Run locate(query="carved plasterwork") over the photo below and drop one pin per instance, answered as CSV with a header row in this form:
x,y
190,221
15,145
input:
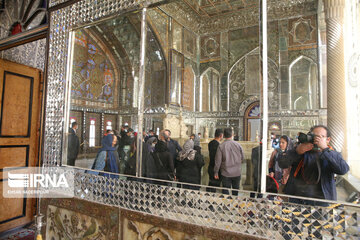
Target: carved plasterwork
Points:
x,y
210,46
189,43
236,80
292,125
75,219
241,18
244,105
175,124
183,15
183,127
133,227
354,70
252,76
206,125
157,233
310,53
288,113
302,31
273,84
188,88
244,82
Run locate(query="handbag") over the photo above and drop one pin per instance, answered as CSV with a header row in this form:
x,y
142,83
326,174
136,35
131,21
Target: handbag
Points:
x,y
171,177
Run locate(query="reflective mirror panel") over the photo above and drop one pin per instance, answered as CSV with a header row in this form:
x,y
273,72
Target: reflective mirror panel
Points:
x,y
202,75
207,59
305,91
199,77
104,87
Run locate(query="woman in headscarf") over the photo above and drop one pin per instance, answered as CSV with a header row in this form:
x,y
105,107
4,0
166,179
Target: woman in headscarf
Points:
x,y
189,164
106,159
150,143
281,175
164,163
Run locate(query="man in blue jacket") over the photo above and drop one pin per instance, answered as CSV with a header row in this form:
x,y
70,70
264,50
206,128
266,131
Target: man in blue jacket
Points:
x,y
313,167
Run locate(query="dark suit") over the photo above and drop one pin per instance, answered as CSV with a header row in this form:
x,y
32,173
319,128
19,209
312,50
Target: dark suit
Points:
x,y
73,147
213,146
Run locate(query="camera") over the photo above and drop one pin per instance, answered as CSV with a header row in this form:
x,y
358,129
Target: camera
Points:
x,y
306,138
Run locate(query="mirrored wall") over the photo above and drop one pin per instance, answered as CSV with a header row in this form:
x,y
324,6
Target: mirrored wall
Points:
x,y
307,143
202,72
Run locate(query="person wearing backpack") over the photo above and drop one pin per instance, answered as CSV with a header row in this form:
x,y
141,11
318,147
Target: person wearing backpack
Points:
x,y
313,165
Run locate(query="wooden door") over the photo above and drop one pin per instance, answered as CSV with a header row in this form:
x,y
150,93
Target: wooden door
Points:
x,y
19,134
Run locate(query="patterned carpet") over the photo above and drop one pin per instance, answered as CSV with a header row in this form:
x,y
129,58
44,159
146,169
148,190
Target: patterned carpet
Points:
x,y
21,234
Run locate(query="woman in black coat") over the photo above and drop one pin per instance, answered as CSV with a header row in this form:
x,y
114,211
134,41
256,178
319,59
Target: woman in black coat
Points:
x,y
163,161
189,164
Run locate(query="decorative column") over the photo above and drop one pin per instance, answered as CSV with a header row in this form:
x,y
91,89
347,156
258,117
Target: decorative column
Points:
x,y
336,104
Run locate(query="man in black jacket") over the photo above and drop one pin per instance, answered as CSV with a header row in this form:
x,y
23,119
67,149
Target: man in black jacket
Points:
x,y
163,159
213,146
172,145
73,144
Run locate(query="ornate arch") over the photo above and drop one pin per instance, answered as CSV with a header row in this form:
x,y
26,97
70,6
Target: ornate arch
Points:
x,y
241,81
156,230
95,75
213,86
251,112
188,89
303,85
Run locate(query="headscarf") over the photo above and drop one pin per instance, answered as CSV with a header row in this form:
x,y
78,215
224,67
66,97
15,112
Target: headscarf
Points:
x,y
149,143
188,151
290,143
151,140
106,143
107,146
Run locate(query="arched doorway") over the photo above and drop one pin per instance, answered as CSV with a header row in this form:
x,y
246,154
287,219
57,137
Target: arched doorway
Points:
x,y
252,121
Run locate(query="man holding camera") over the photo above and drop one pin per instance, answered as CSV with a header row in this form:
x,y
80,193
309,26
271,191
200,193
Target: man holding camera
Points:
x,y
314,164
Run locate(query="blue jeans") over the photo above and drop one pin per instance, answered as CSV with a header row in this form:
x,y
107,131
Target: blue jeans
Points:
x,y
231,182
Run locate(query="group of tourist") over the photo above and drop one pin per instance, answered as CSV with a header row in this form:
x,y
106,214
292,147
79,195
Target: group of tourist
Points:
x,y
298,168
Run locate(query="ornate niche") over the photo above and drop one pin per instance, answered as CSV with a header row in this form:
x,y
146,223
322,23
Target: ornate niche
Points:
x,y
156,70
303,90
210,91
188,95
176,77
210,47
244,80
302,31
